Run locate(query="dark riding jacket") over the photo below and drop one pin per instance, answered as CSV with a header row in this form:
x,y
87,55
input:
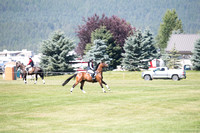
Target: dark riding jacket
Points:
x,y
90,66
31,63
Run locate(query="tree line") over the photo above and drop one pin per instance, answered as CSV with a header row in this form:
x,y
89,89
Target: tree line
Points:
x,y
101,39
24,24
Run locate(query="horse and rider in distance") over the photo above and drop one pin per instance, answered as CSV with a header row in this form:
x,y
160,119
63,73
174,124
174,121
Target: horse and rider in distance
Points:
x,y
92,75
30,69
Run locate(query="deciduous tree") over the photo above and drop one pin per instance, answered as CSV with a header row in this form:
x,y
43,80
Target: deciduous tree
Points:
x,y
170,23
119,28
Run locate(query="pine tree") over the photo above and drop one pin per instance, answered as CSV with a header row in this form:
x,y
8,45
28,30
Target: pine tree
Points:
x,y
170,23
139,50
149,51
173,61
196,56
98,52
115,55
114,51
102,34
55,53
132,56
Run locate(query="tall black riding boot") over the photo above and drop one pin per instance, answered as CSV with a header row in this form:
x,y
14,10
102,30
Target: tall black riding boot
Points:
x,y
93,78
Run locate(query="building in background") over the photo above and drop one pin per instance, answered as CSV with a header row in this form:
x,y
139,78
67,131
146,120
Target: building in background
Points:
x,y
184,44
13,56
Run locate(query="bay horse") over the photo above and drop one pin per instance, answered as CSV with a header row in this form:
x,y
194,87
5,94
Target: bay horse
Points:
x,y
84,76
35,70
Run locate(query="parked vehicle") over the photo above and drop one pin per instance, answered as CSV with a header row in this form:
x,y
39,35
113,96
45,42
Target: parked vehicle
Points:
x,y
164,73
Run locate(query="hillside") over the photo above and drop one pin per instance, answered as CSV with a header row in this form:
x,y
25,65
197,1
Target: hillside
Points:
x,y
25,23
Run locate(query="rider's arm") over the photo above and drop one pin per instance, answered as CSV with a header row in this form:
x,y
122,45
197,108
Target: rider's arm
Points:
x,y
90,65
29,62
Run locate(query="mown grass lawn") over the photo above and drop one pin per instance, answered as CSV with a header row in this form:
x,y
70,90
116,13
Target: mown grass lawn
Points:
x,y
132,105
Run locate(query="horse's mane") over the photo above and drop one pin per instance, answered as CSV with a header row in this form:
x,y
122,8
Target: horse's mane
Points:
x,y
97,66
20,63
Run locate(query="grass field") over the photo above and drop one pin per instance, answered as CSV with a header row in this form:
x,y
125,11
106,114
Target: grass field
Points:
x,y
132,106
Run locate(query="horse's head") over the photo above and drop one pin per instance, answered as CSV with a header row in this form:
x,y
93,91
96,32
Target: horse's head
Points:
x,y
104,64
101,66
19,64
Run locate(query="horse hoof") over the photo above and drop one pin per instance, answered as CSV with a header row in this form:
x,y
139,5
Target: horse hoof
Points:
x,y
104,92
71,92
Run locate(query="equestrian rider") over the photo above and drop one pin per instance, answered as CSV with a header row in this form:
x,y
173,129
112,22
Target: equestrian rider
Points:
x,y
90,68
30,63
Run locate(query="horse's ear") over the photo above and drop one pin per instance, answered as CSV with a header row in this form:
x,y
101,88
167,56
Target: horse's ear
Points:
x,y
102,61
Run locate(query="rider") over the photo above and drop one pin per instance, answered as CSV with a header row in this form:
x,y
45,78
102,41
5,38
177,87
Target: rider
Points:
x,y
30,63
90,68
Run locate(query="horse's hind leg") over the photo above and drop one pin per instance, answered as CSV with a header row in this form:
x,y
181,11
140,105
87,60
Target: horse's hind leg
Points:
x,y
42,76
36,78
82,84
74,86
106,85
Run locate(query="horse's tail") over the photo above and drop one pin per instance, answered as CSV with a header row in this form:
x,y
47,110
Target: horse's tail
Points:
x,y
66,81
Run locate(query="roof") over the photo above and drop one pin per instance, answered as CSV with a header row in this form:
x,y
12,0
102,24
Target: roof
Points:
x,y
184,43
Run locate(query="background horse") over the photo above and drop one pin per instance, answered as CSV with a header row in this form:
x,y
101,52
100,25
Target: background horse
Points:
x,y
35,70
83,76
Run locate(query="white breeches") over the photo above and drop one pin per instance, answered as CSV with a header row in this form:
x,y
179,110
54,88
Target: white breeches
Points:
x,y
28,66
90,71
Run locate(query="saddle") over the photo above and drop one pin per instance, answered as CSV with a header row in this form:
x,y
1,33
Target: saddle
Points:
x,y
31,70
93,75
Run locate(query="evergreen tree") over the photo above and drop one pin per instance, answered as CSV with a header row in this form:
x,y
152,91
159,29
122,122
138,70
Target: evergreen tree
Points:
x,y
98,52
170,23
114,51
173,60
149,51
115,55
196,56
165,57
132,55
102,34
55,53
139,50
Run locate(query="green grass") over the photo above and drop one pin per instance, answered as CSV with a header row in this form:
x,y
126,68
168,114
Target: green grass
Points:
x,y
133,105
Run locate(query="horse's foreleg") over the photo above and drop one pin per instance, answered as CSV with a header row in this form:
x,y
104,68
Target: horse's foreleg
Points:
x,y
82,84
106,85
24,78
100,82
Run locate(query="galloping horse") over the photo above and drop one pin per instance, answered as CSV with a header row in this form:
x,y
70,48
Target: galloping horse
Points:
x,y
35,70
83,76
